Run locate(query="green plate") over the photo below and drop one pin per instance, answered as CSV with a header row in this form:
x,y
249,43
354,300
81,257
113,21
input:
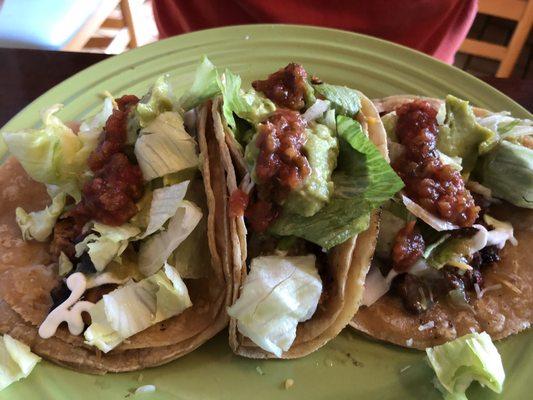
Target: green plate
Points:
x,y
349,367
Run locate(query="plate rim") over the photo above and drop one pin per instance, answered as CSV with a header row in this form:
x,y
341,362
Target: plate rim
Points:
x,y
103,64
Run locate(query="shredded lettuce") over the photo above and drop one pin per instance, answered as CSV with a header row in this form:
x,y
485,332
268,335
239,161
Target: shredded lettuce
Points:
x,y
502,232
469,358
107,244
158,100
136,306
204,86
192,258
461,135
156,250
164,147
278,293
93,126
508,172
507,127
38,225
250,105
16,361
165,202
363,181
344,100
53,154
435,222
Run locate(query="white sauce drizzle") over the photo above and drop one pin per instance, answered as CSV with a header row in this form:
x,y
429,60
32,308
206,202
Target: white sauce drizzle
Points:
x,y
69,311
429,325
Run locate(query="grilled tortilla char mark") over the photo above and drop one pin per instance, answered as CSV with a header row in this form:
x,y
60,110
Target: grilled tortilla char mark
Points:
x,y
110,196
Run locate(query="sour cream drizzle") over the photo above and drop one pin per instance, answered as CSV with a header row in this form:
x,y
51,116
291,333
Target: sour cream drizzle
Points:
x,y
69,311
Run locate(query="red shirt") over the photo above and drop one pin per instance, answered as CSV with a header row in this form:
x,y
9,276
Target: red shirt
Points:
x,y
436,27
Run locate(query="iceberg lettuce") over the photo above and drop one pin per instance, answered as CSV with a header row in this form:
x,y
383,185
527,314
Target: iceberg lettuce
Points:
x,y
164,204
16,361
278,293
134,307
158,100
469,358
53,154
250,105
508,172
156,250
38,225
108,244
204,86
164,147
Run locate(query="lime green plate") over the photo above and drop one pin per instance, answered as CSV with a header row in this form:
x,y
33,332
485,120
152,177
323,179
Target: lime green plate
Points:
x,y
349,367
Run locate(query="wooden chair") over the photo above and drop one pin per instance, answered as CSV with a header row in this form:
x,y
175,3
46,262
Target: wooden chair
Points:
x,y
111,27
520,11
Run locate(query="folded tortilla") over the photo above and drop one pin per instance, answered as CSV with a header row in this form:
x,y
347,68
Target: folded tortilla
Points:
x,y
500,313
27,276
348,263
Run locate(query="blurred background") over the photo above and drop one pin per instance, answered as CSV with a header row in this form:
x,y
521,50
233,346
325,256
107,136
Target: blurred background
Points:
x,y
485,37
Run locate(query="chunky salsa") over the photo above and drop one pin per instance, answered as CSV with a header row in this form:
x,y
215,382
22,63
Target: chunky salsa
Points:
x,y
281,165
110,195
440,190
436,187
286,87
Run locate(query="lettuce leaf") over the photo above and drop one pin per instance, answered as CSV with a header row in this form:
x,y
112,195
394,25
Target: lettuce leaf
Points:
x,y
344,100
16,361
156,250
38,225
164,204
53,154
508,172
107,244
469,358
278,293
363,181
461,135
192,258
136,306
164,147
204,86
158,100
250,105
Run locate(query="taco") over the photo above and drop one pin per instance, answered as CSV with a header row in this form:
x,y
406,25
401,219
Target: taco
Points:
x,y
307,170
452,255
114,240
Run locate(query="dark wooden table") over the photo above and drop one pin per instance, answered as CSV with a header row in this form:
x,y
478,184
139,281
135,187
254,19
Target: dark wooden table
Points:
x,y
26,74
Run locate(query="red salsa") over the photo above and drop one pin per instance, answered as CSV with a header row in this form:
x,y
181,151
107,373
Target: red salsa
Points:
x,y
281,165
408,247
238,201
436,187
286,87
110,195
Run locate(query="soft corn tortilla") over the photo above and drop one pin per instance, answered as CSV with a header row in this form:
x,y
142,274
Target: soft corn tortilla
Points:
x,y
27,275
500,312
348,262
